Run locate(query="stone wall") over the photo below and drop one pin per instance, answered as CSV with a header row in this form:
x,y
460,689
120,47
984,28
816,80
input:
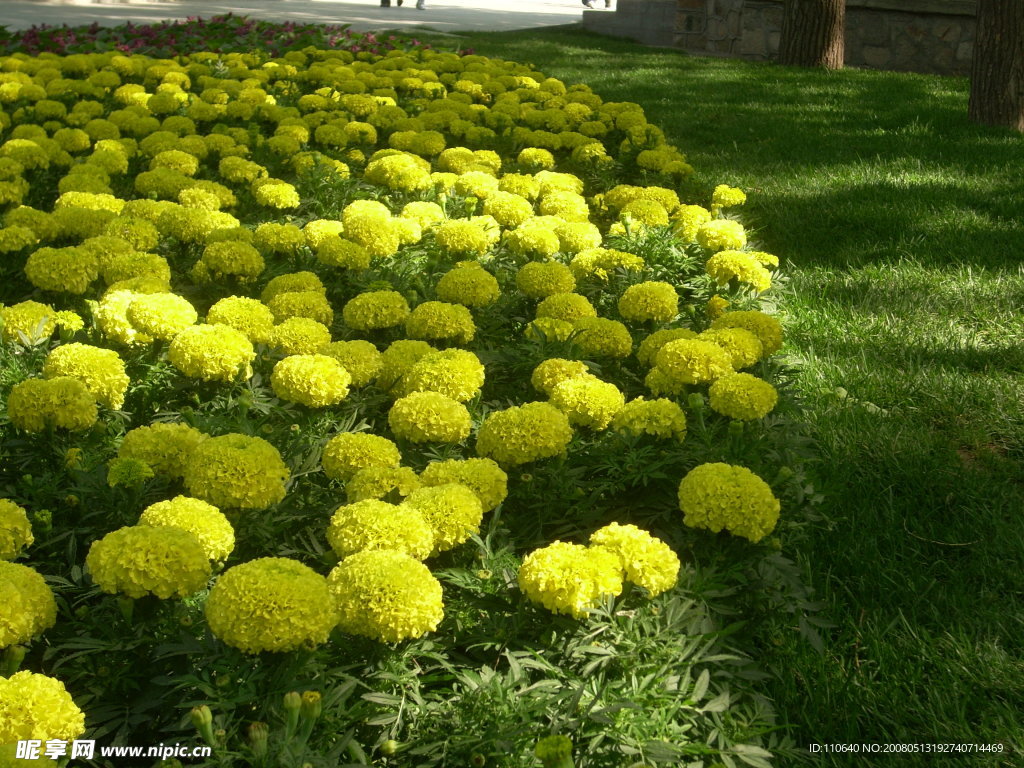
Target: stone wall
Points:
x,y
932,36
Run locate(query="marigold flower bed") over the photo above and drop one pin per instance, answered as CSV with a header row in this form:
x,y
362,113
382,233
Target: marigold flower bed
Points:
x,y
310,356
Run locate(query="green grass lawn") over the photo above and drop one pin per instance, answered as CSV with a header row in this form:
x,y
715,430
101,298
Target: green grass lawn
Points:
x,y
901,226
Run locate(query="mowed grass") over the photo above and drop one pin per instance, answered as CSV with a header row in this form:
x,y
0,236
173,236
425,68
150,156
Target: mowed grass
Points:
x,y
901,226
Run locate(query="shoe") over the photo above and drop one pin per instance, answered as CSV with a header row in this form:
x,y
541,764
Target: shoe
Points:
x,y
399,3
607,3
588,3
385,3
419,5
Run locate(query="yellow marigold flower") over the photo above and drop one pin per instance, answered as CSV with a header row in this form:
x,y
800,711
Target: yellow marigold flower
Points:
x,y
399,172
483,476
533,159
587,401
319,231
339,252
569,307
599,262
34,706
293,282
721,235
646,560
374,310
661,418
275,193
650,213
372,524
141,560
204,521
716,306
360,358
570,578
15,532
386,595
566,205
721,496
648,350
161,315
452,511
101,370
524,185
765,327
61,402
398,358
212,353
743,347
425,213
271,604
232,259
300,336
65,270
27,608
508,209
725,196
693,361
441,321
576,236
741,266
316,381
347,453
742,396
601,337
284,239
381,482
532,241
236,471
540,279
164,447
129,473
461,237
429,417
653,301
15,238
118,267
478,184
525,433
250,317
549,329
311,304
454,373
470,285
687,221
550,373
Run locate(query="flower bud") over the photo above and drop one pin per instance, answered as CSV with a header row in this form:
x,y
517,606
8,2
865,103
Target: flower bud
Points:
x,y
311,705
202,719
389,748
258,733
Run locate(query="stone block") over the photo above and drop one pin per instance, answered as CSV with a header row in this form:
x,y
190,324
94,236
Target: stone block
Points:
x,y
754,44
875,56
965,51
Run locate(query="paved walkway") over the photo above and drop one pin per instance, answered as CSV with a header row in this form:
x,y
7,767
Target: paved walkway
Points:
x,y
439,15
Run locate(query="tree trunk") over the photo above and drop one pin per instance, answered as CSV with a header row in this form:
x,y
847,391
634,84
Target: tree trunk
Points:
x,y
812,33
997,71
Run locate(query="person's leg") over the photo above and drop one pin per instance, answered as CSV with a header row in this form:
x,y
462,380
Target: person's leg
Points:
x,y
419,5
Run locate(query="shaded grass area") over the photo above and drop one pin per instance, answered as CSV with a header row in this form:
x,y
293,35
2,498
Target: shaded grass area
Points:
x,y
902,227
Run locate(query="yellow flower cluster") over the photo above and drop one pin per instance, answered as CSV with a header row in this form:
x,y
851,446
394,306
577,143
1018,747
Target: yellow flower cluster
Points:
x,y
212,353
316,381
271,604
349,452
15,530
386,595
101,371
524,433
236,472
646,561
373,524
570,578
204,521
587,401
452,511
27,608
742,396
61,402
661,418
139,560
34,706
429,417
721,496
482,476
164,447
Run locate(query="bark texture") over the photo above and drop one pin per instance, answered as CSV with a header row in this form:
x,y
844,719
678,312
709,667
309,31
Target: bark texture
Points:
x,y
812,33
997,70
